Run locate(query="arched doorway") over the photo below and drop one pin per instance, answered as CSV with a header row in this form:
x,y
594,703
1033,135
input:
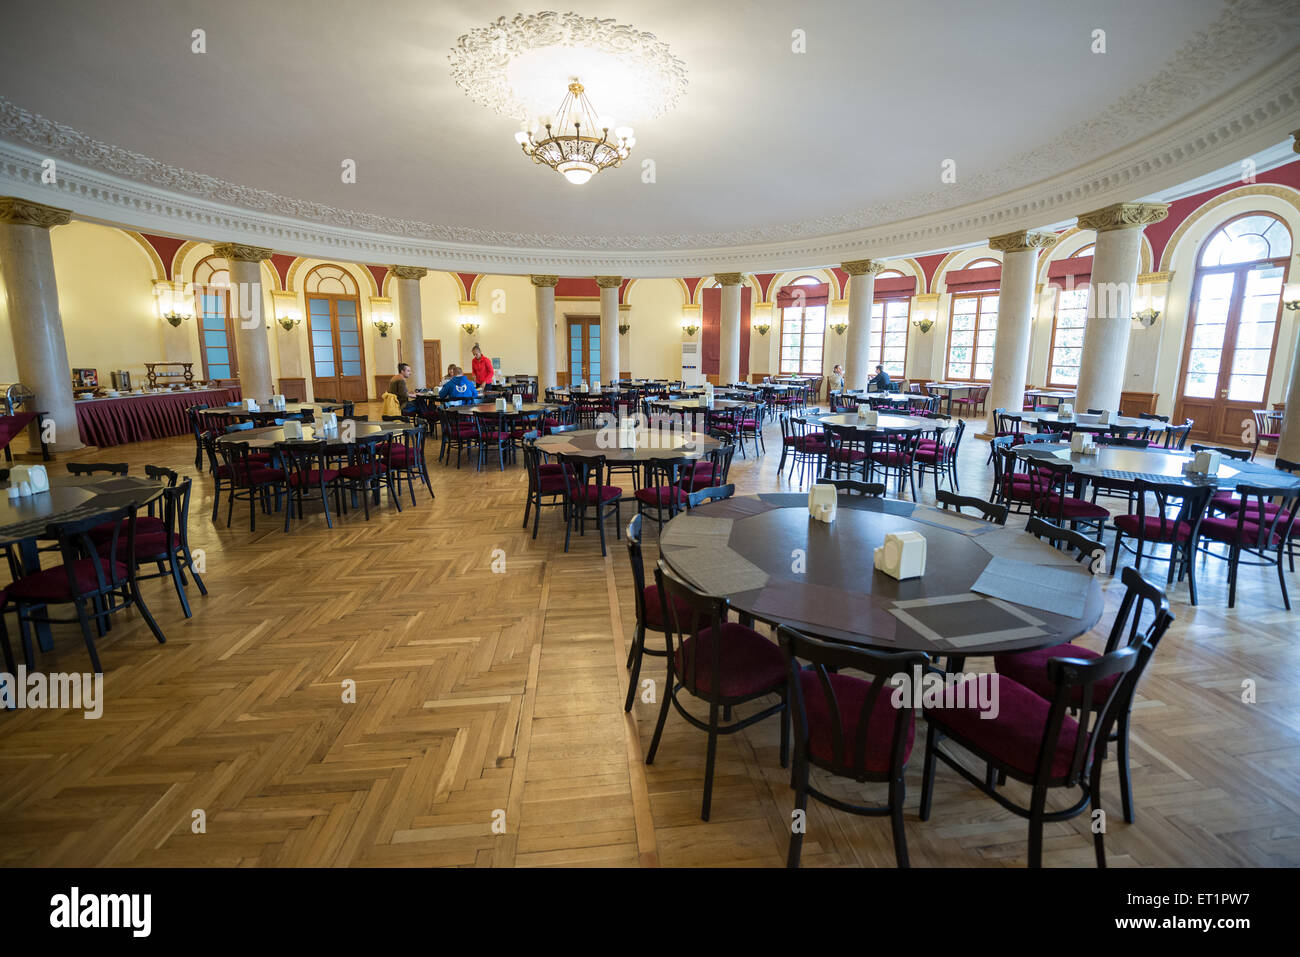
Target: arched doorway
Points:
x,y
1233,326
216,325
338,359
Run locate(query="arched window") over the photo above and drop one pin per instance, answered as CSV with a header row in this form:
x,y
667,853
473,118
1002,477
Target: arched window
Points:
x,y
334,328
984,263
803,326
1085,251
1233,327
972,328
216,326
889,315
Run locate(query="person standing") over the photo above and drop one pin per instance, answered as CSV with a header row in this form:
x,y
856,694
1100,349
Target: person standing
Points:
x,y
482,366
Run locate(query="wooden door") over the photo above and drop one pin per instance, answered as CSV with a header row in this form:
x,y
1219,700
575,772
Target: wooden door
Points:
x,y
337,351
584,349
1228,353
432,362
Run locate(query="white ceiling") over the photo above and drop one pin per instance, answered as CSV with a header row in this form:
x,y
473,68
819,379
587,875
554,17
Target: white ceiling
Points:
x,y
765,145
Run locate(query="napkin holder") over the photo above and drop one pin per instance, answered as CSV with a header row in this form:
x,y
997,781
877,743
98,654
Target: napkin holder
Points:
x,y
1205,463
867,415
37,479
822,502
627,434
279,402
1082,443
330,421
250,405
292,429
517,401
902,556
499,405
1065,411
1112,418
582,387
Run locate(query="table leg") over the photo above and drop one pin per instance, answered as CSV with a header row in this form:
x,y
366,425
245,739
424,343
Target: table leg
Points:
x,y
31,559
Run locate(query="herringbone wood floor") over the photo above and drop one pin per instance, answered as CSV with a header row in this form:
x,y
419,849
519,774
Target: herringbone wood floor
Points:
x,y
486,697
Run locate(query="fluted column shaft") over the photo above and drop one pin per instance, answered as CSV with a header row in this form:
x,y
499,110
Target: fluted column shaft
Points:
x,y
252,347
609,326
729,328
1110,300
1015,318
410,320
35,323
544,295
862,293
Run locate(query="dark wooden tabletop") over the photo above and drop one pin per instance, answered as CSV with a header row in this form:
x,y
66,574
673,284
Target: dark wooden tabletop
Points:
x,y
777,564
1091,423
488,408
651,444
266,437
1158,465
884,422
71,498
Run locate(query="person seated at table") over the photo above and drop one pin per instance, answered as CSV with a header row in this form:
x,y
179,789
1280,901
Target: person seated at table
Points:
x,y
482,366
837,379
397,386
458,386
880,382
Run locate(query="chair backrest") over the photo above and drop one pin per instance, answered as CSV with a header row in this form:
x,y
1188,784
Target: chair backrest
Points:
x,y
720,458
1268,421
1048,437
666,471
1176,435
1087,550
1007,423
1241,455
1284,465
1269,530
301,457
101,539
1122,441
710,494
176,511
1094,705
1190,502
160,474
91,468
687,612
1153,417
813,688
989,512
581,470
634,557
855,487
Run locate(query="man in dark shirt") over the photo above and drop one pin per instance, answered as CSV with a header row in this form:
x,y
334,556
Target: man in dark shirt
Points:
x,y
880,381
398,387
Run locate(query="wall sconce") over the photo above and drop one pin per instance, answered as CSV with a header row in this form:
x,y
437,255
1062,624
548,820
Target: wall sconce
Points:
x,y
689,327
383,325
1146,318
470,327
287,323
171,304
1291,297
623,328
176,318
925,325
763,328
839,327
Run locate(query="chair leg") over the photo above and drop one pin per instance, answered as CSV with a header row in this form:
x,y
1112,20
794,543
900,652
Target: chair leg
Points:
x,y
84,619
897,792
1122,759
710,761
927,774
634,658
180,588
663,717
785,728
1037,806
800,804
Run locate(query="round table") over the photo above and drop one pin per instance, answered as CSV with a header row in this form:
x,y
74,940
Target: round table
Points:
x,y
884,423
1090,423
489,408
651,444
775,563
269,436
1115,463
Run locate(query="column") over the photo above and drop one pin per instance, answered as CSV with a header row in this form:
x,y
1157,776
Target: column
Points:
x,y
729,328
1110,299
544,296
1288,444
252,348
609,326
1015,319
27,268
862,292
410,321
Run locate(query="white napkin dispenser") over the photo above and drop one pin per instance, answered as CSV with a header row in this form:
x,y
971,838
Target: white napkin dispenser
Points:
x,y
822,502
582,387
330,421
902,556
499,405
1205,463
627,434
867,415
1112,418
1081,442
1065,411
517,401
293,429
37,479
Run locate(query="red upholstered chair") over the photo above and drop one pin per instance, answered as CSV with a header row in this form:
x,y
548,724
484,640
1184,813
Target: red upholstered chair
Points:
x,y
1033,739
368,466
458,432
545,484
710,471
806,446
305,472
1051,500
247,478
847,451
663,492
1268,428
649,611
1011,486
720,662
1142,600
849,726
896,454
587,489
95,584
493,434
1261,525
407,461
1174,521
937,453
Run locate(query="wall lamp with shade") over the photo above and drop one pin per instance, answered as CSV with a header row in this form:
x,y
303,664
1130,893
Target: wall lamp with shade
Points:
x,y
690,327
172,304
925,325
840,327
470,327
383,325
762,328
1149,298
1291,296
623,328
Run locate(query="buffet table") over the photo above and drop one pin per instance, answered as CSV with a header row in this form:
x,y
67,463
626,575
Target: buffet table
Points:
x,y
135,418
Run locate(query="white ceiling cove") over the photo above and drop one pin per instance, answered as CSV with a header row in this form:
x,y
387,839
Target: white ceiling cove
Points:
x,y
770,158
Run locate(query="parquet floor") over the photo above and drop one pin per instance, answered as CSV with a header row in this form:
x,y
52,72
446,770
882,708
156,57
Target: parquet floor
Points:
x,y
488,730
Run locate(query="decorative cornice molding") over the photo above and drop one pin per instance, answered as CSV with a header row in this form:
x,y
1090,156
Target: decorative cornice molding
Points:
x,y
863,267
609,282
1147,278
409,272
24,212
551,281
240,252
1021,240
1123,216
729,278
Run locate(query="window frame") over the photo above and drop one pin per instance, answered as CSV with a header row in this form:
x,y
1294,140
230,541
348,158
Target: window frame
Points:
x,y
1053,383
979,312
879,340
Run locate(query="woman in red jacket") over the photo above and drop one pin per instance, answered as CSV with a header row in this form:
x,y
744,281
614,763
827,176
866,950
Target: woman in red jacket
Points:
x,y
482,367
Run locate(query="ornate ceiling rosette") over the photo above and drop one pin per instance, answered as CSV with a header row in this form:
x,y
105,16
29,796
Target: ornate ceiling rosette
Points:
x,y
521,65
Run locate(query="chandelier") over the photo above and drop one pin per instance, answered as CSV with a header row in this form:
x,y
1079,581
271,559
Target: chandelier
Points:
x,y
566,149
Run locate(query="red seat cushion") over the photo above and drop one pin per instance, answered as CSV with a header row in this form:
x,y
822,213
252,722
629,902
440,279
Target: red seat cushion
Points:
x,y
313,476
144,525
147,546
750,664
362,470
934,454
1225,530
52,583
1029,668
654,609
401,455
1014,737
1071,508
846,455
600,493
1149,528
661,496
892,457
850,695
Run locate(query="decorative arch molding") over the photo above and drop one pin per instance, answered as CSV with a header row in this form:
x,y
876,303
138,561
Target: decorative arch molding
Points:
x,y
362,276
961,259
155,261
178,260
785,278
1284,193
324,276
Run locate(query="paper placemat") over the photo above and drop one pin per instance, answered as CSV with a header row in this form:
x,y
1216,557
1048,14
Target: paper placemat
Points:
x,y
952,520
1046,587
725,572
698,530
1020,545
853,612
735,507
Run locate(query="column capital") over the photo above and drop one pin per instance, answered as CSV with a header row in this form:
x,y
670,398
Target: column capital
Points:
x,y
1020,241
1295,140
863,267
551,281
241,252
728,278
409,272
1123,216
609,282
23,212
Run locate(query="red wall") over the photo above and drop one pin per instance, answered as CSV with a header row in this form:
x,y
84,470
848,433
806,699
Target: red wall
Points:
x,y
711,338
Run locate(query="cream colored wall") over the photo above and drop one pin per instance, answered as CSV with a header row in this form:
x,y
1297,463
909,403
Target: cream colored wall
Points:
x,y
653,346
